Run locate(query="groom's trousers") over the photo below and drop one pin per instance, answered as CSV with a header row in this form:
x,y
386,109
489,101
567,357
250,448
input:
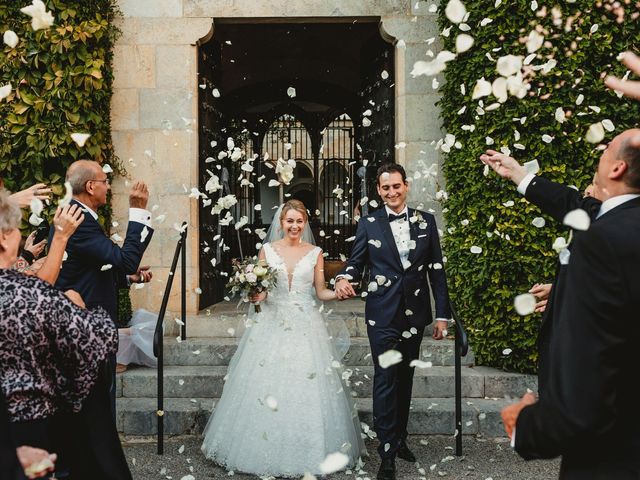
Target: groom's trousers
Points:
x,y
392,385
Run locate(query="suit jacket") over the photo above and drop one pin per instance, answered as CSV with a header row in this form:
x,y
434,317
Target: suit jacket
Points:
x,y
403,289
555,200
89,250
588,412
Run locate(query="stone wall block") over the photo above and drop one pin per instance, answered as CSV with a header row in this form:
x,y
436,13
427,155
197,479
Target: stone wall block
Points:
x,y
134,66
124,109
151,8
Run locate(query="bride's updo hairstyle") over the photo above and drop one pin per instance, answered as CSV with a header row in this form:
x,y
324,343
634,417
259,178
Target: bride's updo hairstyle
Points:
x,y
296,205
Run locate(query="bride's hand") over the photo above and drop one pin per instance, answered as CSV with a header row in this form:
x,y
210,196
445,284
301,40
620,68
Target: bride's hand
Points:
x,y
259,297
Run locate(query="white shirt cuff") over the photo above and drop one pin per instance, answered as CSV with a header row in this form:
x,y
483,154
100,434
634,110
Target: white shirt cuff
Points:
x,y
513,438
140,215
443,319
524,184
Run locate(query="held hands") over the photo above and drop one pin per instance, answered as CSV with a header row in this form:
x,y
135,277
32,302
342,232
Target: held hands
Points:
x,y
258,297
67,219
629,88
139,195
440,330
511,412
36,462
143,275
344,289
504,165
35,249
541,292
23,198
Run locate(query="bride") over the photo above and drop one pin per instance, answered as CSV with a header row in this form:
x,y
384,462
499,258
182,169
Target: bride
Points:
x,y
285,407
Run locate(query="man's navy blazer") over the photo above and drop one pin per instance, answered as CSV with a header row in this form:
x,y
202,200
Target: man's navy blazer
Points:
x,y
89,254
375,247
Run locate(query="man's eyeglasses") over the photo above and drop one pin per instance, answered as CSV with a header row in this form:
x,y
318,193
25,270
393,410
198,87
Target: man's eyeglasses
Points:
x,y
105,181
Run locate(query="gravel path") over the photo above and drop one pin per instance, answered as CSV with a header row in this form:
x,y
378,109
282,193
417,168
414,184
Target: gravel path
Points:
x,y
484,459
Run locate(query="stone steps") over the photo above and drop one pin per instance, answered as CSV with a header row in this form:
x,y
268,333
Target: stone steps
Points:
x,y
217,351
208,381
434,416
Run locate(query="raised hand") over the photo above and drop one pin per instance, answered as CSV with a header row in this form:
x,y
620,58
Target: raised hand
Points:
x,y
139,195
67,219
504,165
37,248
23,198
143,275
627,87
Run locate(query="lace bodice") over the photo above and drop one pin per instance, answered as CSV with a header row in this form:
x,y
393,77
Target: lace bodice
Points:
x,y
295,280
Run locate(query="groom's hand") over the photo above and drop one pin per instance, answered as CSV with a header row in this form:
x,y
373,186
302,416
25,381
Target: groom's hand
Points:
x,y
511,412
504,165
344,289
440,329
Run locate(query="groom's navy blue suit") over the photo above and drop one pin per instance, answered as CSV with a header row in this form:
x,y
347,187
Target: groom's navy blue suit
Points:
x,y
399,305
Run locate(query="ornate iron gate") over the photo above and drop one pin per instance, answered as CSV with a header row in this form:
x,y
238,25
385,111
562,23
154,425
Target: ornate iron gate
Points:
x,y
336,160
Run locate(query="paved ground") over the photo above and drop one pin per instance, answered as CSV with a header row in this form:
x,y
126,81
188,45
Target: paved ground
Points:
x,y
484,459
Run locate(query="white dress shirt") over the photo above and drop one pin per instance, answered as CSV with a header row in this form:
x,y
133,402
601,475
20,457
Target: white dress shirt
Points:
x,y
401,234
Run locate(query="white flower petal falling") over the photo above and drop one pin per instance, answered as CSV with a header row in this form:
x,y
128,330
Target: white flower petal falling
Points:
x,y
389,358
455,11
10,38
595,134
40,18
80,138
525,304
577,219
334,462
463,42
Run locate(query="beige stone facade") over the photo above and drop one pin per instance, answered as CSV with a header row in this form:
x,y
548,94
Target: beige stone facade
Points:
x,y
155,105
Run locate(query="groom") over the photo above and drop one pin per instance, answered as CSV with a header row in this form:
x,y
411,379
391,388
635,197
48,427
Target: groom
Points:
x,y
400,247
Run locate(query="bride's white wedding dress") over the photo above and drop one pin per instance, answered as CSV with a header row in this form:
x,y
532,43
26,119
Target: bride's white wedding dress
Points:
x,y
284,407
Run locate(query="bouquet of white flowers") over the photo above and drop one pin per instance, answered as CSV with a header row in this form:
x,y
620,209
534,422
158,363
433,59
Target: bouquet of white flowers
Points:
x,y
251,277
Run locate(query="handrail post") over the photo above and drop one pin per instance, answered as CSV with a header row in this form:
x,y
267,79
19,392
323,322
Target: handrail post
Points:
x,y
458,387
158,335
183,293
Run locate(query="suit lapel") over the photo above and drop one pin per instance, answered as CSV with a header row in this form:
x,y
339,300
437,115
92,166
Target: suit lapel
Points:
x,y
413,229
383,223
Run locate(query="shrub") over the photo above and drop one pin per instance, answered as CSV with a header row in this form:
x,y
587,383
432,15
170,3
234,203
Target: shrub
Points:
x,y
585,39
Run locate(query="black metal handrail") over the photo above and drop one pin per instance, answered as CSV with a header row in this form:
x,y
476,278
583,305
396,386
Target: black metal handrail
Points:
x,y
158,336
461,348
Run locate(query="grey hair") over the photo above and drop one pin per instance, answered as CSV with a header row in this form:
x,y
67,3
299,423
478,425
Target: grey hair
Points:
x,y
630,154
10,216
79,173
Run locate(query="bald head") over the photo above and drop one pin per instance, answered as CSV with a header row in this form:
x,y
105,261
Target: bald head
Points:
x,y
80,172
629,152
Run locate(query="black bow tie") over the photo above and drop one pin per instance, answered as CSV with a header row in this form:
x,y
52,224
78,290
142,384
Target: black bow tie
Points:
x,y
393,217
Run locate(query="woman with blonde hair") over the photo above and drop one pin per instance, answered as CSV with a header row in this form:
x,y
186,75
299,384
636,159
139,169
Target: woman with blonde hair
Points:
x,y
285,406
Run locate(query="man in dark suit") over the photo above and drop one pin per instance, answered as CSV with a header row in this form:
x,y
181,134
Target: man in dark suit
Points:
x,y
96,267
401,248
587,413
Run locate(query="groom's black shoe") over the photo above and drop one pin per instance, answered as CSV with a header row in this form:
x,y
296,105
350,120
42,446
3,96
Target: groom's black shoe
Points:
x,y
405,454
387,469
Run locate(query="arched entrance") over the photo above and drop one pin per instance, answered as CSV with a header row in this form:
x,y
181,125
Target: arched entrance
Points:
x,y
320,94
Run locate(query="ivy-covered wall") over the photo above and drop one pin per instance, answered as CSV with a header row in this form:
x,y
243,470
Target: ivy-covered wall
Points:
x,y
61,80
578,43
